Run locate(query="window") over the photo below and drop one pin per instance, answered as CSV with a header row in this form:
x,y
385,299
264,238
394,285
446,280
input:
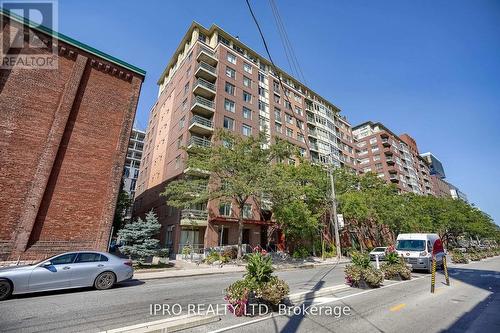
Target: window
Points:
x,y
228,123
247,211
376,157
247,82
231,58
178,162
364,161
373,140
288,105
276,99
225,209
247,68
247,113
181,122
247,130
276,86
277,114
229,88
179,142
88,257
64,259
300,124
300,137
298,111
262,78
229,105
289,132
288,118
278,127
184,104
247,97
186,88
230,72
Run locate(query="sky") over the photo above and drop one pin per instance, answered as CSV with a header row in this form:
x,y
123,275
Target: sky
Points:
x,y
429,68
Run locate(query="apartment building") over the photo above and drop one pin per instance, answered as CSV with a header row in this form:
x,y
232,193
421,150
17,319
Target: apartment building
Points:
x,y
215,81
441,187
394,158
133,161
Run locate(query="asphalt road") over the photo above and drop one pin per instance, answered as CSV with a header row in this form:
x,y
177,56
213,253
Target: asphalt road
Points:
x,y
87,310
470,304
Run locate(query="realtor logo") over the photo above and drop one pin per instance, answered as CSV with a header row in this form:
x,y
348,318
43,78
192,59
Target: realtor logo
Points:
x,y
27,38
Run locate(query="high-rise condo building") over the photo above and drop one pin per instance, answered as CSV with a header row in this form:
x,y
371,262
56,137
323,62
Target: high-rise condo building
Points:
x,y
215,81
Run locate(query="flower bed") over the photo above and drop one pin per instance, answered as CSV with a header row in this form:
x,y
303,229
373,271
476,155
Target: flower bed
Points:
x,y
361,273
394,268
258,286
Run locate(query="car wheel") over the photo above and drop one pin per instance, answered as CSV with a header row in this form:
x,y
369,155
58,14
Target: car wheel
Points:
x,y
5,289
105,280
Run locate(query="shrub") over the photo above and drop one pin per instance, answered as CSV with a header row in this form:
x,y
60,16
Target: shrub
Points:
x,y
186,250
360,259
396,271
212,257
356,275
273,291
474,256
353,275
237,296
458,257
230,252
373,277
259,268
300,253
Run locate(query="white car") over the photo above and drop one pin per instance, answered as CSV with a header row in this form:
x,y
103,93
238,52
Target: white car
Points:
x,y
380,251
67,270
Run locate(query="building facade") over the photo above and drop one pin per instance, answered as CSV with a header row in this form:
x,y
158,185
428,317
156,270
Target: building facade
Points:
x,y
63,137
392,157
214,81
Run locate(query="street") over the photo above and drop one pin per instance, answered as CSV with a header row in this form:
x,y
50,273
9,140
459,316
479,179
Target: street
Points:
x,y
129,303
470,303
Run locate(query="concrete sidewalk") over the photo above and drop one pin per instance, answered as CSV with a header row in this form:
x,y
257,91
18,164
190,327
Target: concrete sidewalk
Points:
x,y
144,274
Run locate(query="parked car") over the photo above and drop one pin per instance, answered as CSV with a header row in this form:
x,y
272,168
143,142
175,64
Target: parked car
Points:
x,y
380,251
67,270
418,249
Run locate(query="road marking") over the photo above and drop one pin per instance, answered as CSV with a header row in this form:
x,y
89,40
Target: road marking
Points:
x,y
397,307
273,315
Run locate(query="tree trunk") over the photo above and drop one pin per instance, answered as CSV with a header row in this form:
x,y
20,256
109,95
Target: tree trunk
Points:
x,y
240,232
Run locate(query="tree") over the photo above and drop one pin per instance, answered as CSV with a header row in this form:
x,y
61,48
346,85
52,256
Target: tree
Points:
x,y
123,202
139,237
239,169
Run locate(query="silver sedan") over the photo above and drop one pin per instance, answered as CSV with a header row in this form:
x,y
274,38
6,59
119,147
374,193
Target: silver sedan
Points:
x,y
67,270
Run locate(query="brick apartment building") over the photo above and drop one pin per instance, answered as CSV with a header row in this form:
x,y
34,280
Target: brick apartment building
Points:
x,y
214,81
63,139
394,158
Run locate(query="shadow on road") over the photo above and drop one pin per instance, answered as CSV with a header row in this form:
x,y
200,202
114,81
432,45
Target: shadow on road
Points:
x,y
124,284
484,316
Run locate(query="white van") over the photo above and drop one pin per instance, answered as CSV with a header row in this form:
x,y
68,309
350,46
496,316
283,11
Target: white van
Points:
x,y
417,250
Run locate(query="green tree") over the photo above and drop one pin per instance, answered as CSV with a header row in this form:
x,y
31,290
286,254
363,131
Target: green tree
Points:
x,y
239,169
123,202
139,237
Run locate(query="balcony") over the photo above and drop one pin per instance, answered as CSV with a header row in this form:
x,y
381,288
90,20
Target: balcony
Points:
x,y
205,71
313,146
311,120
203,106
390,160
201,125
393,177
194,217
312,133
204,88
196,141
206,55
386,142
196,172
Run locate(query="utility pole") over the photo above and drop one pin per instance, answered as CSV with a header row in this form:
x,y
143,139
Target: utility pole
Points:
x,y
334,218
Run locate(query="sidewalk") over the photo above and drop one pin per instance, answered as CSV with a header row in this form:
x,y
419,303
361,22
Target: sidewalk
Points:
x,y
145,274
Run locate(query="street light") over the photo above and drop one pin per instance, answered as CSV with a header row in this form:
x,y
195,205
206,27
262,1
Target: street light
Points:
x,y
333,213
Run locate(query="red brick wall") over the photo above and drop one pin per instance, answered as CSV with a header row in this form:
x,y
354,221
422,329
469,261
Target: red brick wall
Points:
x,y
63,140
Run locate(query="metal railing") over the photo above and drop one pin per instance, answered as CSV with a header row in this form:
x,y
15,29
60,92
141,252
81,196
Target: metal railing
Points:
x,y
206,84
207,67
203,101
207,50
199,142
201,121
194,214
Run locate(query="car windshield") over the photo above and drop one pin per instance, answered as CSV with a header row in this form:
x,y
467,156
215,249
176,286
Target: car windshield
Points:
x,y
410,245
379,249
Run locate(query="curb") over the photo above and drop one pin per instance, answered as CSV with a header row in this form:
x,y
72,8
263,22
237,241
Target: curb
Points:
x,y
311,294
173,324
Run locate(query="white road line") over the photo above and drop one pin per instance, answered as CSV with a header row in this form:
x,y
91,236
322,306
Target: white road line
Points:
x,y
273,315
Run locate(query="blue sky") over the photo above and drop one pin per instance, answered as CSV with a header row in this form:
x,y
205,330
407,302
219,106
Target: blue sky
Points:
x,y
428,68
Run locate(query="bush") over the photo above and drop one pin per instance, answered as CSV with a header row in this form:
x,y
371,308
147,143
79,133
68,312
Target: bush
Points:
x,y
237,295
474,256
259,268
300,253
356,276
458,257
186,250
231,252
396,271
273,291
360,259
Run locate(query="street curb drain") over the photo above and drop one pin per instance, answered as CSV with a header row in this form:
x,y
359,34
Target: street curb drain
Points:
x,y
173,324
